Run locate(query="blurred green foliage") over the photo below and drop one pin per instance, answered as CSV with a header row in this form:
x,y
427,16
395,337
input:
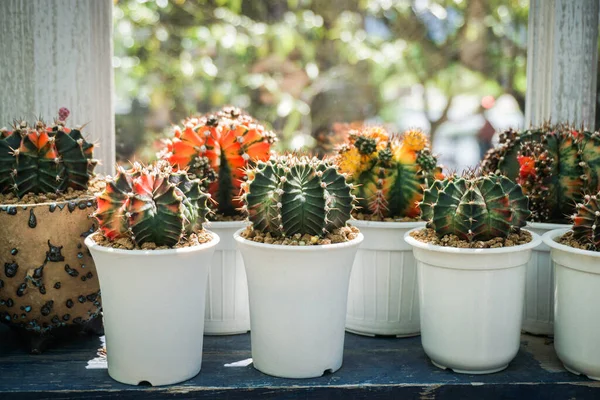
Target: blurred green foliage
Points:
x,y
300,65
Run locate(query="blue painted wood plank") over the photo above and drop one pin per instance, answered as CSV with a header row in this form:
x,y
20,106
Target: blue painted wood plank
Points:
x,y
374,368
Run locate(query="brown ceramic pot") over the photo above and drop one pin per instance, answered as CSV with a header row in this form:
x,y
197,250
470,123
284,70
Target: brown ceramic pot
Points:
x,y
48,279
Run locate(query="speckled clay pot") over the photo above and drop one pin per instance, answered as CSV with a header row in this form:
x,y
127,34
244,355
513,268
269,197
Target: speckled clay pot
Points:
x,y
47,276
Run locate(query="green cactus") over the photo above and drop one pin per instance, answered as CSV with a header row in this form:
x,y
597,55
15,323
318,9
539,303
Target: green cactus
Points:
x,y
153,204
287,195
44,159
554,164
474,208
586,222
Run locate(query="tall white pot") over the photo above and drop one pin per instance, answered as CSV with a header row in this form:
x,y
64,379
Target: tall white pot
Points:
x,y
538,310
298,297
227,311
471,304
152,302
577,306
383,296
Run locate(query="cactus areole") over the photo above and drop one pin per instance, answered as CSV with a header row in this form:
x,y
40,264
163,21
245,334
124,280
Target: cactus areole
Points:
x,y
42,158
555,165
287,195
475,208
217,148
151,204
586,222
389,173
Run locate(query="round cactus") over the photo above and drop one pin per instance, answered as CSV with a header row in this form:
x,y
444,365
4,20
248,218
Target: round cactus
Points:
x,y
44,159
217,148
287,195
153,204
554,164
389,172
475,208
586,222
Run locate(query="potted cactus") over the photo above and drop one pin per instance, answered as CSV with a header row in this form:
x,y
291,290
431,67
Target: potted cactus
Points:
x,y
48,283
576,255
298,254
218,148
471,263
388,174
153,257
554,164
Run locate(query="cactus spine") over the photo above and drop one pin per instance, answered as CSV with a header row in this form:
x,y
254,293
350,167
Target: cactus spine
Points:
x,y
475,208
153,204
554,164
217,149
586,222
287,195
44,159
389,172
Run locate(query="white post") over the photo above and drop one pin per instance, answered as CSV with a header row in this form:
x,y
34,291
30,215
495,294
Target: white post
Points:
x,y
562,61
58,53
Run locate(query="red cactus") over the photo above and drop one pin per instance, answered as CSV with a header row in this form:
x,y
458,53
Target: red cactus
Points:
x,y
218,148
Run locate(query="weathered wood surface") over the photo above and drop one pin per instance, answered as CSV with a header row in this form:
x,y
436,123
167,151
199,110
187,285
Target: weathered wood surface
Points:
x,y
58,53
562,61
374,368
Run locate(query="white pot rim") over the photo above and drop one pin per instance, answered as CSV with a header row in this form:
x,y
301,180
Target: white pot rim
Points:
x,y
536,240
549,239
91,243
298,249
359,223
546,225
226,224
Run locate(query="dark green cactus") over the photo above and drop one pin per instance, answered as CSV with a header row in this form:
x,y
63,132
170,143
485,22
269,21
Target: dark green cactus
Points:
x,y
586,222
288,195
44,159
554,164
153,204
474,208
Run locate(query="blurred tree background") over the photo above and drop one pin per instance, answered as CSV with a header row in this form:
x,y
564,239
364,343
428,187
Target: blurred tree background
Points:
x,y
303,65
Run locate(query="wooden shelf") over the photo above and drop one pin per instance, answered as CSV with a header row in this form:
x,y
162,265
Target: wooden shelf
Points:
x,y
374,368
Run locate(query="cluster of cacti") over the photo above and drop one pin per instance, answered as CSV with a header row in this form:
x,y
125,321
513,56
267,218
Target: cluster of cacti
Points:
x,y
44,158
586,222
475,208
287,195
389,172
217,148
554,164
151,204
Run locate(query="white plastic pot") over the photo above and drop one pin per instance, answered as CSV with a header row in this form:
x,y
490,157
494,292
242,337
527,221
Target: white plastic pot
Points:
x,y
153,302
227,311
298,297
471,304
577,306
383,296
538,310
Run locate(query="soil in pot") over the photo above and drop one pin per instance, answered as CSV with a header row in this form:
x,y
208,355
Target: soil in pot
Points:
x,y
48,282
